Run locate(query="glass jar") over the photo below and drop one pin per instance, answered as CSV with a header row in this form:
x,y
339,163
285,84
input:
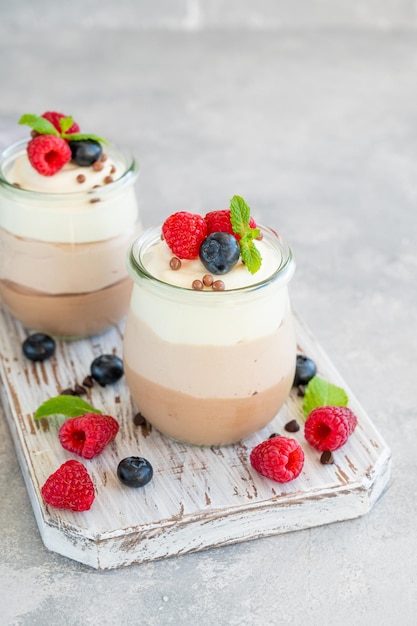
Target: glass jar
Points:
x,y
209,367
62,263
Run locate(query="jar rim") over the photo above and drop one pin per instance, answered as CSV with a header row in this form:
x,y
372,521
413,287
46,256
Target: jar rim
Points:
x,y
283,273
16,149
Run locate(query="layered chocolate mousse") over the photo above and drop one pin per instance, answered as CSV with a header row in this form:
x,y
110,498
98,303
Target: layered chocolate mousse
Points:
x,y
63,239
208,366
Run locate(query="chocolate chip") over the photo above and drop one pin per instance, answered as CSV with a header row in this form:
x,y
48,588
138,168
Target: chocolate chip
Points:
x,y
68,392
272,435
208,280
197,285
218,285
301,391
292,427
327,458
79,390
139,420
88,382
175,263
80,178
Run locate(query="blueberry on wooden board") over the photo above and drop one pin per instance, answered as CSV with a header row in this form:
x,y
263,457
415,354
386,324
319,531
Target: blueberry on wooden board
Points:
x,y
134,471
38,347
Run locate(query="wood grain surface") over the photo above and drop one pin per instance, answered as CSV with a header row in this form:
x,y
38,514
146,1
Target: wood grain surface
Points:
x,y
199,498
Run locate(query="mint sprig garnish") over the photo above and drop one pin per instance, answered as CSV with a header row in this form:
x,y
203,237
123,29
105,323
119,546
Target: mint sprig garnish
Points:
x,y
240,220
70,406
45,127
39,124
320,392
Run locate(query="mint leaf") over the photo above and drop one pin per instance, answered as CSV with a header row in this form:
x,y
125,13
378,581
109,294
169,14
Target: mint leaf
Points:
x,y
320,392
239,215
65,123
251,256
71,406
240,219
82,137
39,124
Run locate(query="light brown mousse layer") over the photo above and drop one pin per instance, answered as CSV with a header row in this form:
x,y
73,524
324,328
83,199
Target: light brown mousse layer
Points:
x,y
206,421
68,315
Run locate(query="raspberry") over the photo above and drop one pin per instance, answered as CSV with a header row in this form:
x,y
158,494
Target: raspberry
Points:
x,y
219,222
184,233
88,435
280,459
54,118
70,487
48,154
329,427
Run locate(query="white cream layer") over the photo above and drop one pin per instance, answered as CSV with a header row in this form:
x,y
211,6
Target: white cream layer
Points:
x,y
156,261
202,318
64,181
61,210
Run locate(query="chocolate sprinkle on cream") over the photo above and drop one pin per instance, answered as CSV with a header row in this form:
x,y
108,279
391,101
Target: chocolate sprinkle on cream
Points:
x,y
208,280
175,263
197,285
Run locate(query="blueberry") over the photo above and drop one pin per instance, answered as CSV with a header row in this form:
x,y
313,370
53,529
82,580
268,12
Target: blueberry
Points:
x,y
304,371
219,252
38,347
134,471
107,369
85,151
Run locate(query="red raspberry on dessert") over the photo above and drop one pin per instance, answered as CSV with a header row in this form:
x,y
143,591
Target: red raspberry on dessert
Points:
x,y
280,458
70,487
48,154
219,222
87,435
329,427
184,233
55,118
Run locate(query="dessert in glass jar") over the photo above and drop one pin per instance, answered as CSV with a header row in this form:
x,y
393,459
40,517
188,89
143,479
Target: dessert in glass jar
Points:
x,y
209,346
68,213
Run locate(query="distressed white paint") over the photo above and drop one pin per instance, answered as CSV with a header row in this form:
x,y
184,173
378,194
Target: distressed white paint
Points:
x,y
199,497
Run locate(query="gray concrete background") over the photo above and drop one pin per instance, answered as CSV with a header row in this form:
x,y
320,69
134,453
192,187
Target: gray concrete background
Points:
x,y
308,110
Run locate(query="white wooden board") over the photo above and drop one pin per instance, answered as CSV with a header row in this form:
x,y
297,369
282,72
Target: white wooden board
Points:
x,y
199,497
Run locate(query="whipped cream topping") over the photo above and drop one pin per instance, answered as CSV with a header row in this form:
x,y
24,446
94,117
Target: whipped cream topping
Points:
x,y
156,261
209,317
60,209
23,174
